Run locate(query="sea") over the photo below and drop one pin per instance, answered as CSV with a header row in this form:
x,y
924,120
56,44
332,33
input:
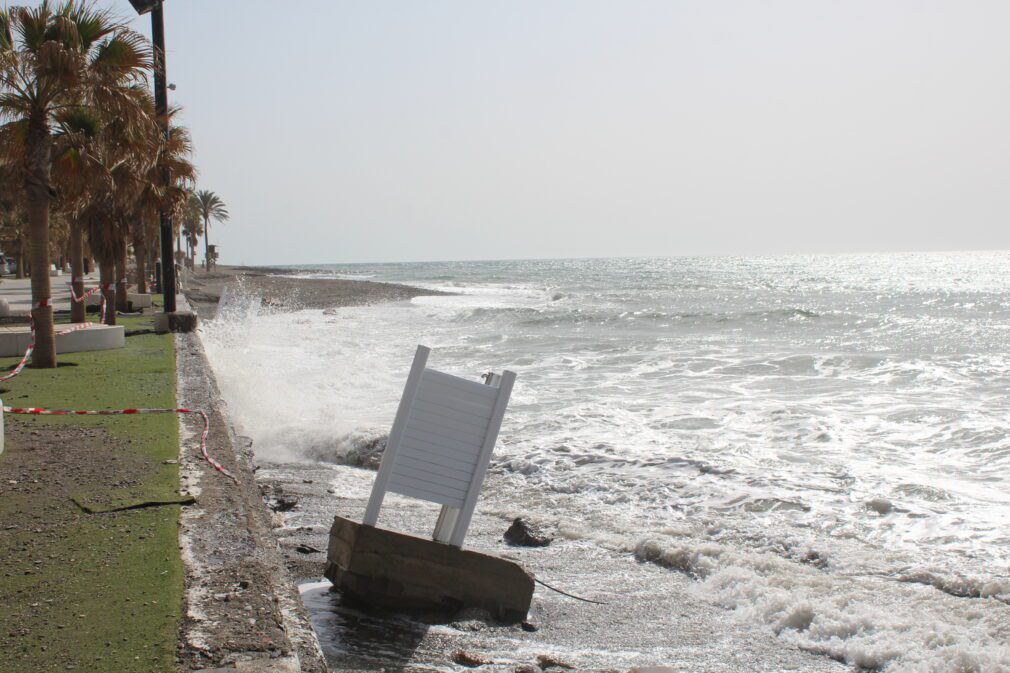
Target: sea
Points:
x,y
786,431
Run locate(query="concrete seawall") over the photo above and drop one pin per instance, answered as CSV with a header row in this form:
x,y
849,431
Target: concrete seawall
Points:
x,y
242,611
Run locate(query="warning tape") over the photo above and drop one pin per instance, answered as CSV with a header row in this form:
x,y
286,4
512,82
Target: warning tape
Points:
x,y
39,411
24,360
42,303
83,297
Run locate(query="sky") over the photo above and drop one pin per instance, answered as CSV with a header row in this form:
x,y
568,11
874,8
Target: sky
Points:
x,y
377,131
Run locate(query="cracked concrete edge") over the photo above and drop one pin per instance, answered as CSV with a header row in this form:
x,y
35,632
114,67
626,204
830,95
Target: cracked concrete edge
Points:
x,y
197,388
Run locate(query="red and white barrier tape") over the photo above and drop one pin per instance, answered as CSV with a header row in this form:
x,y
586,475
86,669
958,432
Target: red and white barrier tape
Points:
x,y
24,360
38,411
83,297
79,326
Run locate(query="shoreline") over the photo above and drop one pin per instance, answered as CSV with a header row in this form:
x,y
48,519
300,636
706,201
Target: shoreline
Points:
x,y
276,287
613,637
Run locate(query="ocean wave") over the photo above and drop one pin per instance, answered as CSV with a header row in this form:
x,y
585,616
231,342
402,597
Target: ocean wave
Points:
x,y
960,587
855,620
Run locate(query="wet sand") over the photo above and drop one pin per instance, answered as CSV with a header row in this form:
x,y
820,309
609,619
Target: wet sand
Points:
x,y
276,286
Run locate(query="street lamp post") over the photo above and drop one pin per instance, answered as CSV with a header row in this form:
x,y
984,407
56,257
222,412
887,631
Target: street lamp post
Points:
x,y
161,109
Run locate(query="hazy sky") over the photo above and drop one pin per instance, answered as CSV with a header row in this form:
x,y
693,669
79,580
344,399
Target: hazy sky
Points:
x,y
392,131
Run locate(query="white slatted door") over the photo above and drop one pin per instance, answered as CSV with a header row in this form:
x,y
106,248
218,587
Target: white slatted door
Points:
x,y
441,442
442,439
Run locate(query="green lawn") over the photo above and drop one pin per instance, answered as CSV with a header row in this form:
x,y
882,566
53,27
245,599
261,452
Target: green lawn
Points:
x,y
91,592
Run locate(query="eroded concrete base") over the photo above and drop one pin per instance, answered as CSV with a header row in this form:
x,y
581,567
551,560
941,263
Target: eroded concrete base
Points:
x,y
178,321
138,301
401,572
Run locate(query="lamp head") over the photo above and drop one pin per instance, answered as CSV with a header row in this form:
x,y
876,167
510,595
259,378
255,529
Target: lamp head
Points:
x,y
144,6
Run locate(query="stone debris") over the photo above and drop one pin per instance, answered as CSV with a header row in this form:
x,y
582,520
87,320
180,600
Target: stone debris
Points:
x,y
546,661
524,533
284,503
464,658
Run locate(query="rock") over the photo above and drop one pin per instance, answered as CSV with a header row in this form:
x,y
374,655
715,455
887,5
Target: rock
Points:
x,y
306,549
545,661
367,455
473,614
469,625
284,503
815,558
880,505
529,626
464,658
471,619
523,533
527,668
654,669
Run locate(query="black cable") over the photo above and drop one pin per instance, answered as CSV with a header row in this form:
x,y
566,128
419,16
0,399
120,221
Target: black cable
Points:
x,y
565,593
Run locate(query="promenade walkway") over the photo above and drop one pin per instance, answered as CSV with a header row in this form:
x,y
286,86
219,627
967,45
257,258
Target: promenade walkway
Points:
x,y
18,292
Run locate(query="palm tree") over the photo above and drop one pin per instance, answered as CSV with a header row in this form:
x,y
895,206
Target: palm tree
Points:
x,y
192,229
76,174
56,57
211,207
127,154
165,188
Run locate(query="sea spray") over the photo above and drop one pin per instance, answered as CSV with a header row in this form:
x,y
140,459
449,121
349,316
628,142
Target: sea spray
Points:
x,y
299,396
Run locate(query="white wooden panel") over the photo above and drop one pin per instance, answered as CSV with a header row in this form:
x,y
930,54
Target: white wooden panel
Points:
x,y
450,457
438,436
423,491
395,434
503,391
477,407
429,473
440,444
425,424
461,417
438,464
436,443
458,385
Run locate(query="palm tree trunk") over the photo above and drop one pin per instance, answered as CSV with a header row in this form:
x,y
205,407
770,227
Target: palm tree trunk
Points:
x,y
21,262
77,310
140,257
37,210
121,304
107,278
206,243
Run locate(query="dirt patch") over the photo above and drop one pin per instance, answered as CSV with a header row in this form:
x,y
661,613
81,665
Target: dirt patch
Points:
x,y
81,590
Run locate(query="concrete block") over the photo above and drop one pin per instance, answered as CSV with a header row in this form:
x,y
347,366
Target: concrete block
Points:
x,y
139,301
5,308
14,339
401,572
179,321
95,338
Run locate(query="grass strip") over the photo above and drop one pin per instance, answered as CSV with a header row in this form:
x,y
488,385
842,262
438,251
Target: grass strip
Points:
x,y
92,592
